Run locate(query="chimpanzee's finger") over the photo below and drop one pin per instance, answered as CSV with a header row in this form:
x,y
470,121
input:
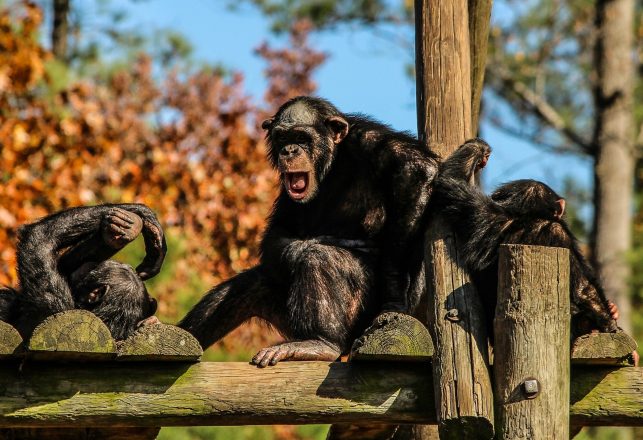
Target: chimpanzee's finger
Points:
x,y
111,219
124,215
115,229
155,250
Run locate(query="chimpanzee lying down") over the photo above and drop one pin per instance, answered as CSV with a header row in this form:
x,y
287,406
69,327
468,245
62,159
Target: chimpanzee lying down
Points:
x,y
343,242
63,264
518,212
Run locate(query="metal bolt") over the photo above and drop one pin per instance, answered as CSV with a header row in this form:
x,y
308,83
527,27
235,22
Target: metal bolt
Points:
x,y
531,387
453,315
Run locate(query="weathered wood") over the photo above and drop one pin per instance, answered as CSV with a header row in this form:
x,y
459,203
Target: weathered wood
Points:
x,y
464,399
603,349
479,22
603,396
531,330
79,433
393,337
443,74
160,342
74,334
10,340
212,393
124,394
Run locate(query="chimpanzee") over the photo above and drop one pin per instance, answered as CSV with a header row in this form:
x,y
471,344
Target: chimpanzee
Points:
x,y
518,212
343,241
63,264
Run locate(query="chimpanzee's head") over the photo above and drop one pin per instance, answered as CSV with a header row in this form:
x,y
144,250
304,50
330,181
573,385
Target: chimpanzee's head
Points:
x,y
530,197
128,300
302,137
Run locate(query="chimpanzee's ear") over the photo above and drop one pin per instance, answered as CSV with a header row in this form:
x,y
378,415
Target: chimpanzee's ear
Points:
x,y
559,210
267,124
338,127
97,294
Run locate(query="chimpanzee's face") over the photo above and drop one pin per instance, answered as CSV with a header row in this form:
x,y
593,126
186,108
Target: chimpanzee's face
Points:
x,y
302,139
530,197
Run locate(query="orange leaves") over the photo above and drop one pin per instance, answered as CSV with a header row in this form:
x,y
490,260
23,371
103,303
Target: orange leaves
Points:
x,y
187,146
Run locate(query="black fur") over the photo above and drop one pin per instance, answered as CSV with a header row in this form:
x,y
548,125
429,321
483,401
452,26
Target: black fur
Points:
x,y
63,264
518,212
336,256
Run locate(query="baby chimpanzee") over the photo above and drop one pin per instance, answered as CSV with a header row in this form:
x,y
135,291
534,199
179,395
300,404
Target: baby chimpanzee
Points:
x,y
63,264
519,212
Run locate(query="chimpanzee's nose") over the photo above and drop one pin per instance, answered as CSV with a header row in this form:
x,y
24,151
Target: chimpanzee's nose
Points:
x,y
290,150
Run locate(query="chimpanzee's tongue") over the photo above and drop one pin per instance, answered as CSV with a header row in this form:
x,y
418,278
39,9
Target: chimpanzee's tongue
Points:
x,y
298,181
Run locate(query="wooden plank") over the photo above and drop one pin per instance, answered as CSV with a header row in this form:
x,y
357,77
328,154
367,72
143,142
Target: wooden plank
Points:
x,y
394,337
79,433
531,351
160,342
72,335
130,394
604,349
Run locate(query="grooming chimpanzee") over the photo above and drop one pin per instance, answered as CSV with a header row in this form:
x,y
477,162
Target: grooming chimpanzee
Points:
x,y
343,241
63,264
519,212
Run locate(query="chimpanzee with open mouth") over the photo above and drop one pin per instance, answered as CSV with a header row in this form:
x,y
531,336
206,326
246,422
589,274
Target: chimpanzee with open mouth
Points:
x,y
343,242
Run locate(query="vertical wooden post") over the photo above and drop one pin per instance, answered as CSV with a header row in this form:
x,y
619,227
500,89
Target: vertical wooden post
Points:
x,y
464,400
531,355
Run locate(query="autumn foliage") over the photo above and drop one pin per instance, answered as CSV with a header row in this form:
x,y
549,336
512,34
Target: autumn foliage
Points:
x,y
186,144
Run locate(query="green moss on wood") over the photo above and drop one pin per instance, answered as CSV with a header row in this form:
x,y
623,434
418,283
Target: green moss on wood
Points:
x,y
10,340
160,342
74,334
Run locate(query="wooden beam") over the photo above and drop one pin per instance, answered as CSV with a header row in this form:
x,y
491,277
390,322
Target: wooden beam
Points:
x,y
479,22
531,352
123,394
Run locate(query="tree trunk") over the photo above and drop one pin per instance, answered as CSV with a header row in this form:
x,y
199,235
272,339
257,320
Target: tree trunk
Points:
x,y
614,143
60,29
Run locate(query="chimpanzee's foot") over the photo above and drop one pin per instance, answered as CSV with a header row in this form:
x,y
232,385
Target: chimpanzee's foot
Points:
x,y
152,320
311,350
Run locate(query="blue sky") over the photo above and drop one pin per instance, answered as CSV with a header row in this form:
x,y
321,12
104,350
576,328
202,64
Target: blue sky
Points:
x,y
364,73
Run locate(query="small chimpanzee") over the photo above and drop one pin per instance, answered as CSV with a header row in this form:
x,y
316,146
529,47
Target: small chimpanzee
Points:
x,y
343,241
63,264
518,212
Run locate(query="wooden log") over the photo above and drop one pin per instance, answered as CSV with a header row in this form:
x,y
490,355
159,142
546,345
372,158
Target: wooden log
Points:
x,y
604,349
531,352
124,394
80,433
479,22
464,399
602,396
212,393
393,337
160,342
72,335
10,340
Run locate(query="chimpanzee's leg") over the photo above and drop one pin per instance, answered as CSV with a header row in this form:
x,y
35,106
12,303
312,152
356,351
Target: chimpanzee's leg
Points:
x,y
331,300
233,302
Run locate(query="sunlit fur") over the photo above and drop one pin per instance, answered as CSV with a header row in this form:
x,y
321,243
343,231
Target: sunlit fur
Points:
x,y
329,265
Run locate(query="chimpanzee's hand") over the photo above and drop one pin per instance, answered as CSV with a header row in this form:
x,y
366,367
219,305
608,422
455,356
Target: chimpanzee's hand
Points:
x,y
155,246
120,227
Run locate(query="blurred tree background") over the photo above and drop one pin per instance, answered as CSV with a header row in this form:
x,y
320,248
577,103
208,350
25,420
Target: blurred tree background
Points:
x,y
120,115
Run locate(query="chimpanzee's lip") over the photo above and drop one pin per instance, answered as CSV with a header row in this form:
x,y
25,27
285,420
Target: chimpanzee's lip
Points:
x,y
296,184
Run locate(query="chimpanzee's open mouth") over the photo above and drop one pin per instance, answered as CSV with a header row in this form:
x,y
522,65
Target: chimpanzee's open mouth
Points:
x,y
296,184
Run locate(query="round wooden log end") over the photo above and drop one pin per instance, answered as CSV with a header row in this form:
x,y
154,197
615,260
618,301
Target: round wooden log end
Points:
x,y
160,342
10,340
73,332
394,336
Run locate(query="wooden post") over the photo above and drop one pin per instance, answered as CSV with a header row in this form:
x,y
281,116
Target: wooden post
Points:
x,y
531,354
464,401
